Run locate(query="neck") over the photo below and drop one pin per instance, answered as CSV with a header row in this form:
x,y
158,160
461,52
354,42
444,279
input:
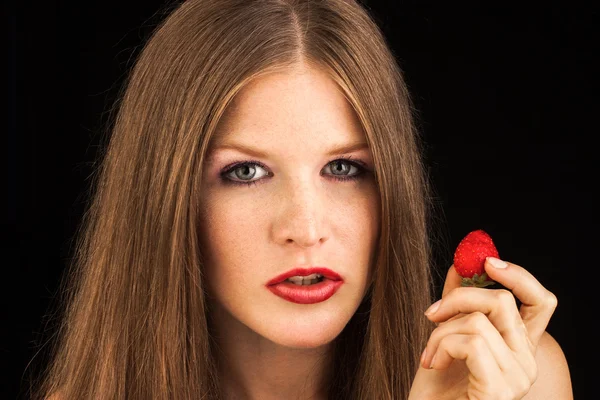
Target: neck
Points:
x,y
253,367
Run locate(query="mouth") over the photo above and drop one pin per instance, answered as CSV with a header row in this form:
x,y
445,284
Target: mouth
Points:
x,y
306,276
306,286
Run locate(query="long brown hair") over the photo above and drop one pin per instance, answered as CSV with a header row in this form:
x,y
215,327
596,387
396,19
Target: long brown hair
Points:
x,y
135,319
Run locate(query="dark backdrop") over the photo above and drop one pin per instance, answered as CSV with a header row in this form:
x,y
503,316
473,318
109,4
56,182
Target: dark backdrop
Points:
x,y
504,94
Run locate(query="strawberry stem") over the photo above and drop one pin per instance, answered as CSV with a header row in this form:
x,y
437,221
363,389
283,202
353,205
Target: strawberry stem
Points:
x,y
477,281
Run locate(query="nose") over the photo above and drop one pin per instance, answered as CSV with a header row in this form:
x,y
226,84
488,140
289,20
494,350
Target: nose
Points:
x,y
301,216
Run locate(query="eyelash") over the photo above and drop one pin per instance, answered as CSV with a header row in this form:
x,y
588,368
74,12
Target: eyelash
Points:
x,y
360,165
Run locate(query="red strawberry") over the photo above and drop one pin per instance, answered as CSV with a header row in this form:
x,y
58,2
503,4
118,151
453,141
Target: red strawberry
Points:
x,y
469,258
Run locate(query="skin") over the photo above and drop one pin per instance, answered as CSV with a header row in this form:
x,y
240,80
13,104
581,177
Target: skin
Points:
x,y
484,347
296,214
299,214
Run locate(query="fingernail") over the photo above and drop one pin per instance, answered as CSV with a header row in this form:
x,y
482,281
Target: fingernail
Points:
x,y
497,263
432,361
433,308
423,356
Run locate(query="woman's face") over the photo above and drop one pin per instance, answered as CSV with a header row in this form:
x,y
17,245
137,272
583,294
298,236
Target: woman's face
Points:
x,y
287,184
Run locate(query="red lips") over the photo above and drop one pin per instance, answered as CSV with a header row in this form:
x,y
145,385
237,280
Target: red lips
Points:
x,y
326,273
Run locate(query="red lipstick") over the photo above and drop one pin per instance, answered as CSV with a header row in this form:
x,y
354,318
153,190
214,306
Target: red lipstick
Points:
x,y
306,294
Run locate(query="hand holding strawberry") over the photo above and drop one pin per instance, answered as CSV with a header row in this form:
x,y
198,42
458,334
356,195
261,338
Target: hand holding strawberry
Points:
x,y
484,345
470,256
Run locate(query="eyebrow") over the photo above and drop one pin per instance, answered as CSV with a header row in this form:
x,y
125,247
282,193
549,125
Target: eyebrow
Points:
x,y
338,149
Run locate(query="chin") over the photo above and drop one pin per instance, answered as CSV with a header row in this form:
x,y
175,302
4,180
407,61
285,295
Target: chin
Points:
x,y
304,332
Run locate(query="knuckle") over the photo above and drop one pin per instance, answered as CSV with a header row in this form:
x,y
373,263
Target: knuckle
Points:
x,y
551,300
478,321
505,297
503,391
506,301
443,344
522,385
476,343
509,394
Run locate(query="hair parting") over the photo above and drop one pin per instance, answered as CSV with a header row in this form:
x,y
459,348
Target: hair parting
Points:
x,y
136,322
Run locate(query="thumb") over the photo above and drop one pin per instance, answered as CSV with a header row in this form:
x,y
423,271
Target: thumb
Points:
x,y
453,280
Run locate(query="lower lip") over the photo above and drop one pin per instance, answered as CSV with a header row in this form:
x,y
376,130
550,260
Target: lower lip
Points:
x,y
306,294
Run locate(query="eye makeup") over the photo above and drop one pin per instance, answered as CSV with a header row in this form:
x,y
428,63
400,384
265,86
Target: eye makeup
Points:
x,y
350,162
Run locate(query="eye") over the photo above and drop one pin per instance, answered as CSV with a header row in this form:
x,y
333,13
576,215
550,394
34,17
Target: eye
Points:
x,y
245,173
252,172
343,168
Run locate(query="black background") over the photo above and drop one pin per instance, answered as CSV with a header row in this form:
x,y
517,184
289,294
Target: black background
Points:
x,y
504,92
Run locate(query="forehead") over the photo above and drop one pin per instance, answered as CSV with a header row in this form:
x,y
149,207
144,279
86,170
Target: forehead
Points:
x,y
302,103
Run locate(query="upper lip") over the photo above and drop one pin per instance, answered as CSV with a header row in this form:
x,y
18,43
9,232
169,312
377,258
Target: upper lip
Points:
x,y
327,273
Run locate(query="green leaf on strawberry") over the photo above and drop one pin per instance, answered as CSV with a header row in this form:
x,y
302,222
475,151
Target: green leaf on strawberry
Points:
x,y
477,281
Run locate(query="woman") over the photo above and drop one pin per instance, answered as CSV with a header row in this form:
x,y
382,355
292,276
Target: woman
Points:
x,y
259,231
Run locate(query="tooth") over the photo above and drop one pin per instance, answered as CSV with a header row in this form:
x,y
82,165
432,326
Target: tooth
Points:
x,y
299,279
302,282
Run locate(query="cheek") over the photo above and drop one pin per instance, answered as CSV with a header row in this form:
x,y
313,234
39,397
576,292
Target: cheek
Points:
x,y
363,225
355,230
358,218
229,230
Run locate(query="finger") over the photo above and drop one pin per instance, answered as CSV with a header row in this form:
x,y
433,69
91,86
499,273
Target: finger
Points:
x,y
452,280
538,303
457,316
473,324
500,308
477,355
478,323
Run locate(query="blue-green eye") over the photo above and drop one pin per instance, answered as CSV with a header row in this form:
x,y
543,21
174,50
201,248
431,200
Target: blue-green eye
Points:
x,y
251,172
343,168
246,172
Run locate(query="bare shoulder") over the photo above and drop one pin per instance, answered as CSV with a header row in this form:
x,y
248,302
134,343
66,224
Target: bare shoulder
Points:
x,y
554,379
